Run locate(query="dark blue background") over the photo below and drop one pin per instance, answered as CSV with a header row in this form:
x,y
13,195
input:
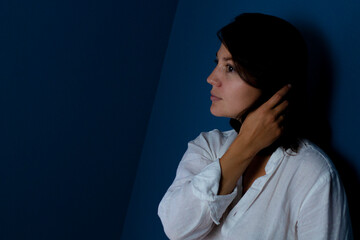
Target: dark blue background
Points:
x,y
77,82
98,100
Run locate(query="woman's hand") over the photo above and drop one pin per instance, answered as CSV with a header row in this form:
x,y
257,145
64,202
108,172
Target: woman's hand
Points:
x,y
264,126
260,129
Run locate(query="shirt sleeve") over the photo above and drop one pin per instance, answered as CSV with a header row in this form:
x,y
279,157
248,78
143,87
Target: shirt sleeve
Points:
x,y
191,206
324,213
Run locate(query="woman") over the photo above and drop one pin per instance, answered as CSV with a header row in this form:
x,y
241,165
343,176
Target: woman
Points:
x,y
262,180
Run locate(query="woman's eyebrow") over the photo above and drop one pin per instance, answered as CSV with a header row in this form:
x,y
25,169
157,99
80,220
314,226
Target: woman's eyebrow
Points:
x,y
227,58
224,58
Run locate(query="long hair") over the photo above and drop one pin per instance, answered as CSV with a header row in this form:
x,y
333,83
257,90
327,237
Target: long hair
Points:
x,y
269,53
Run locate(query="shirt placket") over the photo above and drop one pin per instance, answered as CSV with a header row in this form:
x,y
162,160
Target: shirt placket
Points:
x,y
250,196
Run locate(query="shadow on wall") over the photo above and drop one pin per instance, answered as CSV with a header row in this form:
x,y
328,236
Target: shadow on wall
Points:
x,y
320,89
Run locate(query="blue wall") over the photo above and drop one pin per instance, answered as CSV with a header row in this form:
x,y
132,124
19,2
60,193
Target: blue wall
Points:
x,y
181,107
77,82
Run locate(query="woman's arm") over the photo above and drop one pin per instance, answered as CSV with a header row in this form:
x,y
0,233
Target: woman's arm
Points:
x,y
191,206
259,130
204,187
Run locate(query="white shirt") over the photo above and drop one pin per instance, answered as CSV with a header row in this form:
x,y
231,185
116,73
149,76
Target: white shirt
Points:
x,y
299,197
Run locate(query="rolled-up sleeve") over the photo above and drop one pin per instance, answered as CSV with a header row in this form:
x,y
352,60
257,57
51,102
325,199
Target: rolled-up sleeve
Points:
x,y
191,206
205,187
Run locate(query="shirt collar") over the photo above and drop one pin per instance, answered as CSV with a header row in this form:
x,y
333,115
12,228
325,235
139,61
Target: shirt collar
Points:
x,y
275,159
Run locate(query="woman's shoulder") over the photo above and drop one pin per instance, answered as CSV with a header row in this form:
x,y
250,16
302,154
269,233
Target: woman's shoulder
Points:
x,y
310,158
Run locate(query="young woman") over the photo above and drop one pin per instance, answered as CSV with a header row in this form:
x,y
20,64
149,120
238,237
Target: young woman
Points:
x,y
262,180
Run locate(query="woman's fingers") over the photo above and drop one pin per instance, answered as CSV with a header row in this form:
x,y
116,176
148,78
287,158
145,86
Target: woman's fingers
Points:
x,y
264,125
279,109
280,119
276,98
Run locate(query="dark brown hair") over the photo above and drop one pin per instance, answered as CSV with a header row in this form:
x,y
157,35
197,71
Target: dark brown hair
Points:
x,y
269,53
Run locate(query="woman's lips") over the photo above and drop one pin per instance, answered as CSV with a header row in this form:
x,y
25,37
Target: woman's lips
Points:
x,y
214,98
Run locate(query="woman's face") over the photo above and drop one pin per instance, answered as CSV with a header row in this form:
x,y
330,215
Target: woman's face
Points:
x,y
231,96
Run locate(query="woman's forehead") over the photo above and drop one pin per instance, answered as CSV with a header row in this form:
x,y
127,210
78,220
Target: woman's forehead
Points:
x,y
223,53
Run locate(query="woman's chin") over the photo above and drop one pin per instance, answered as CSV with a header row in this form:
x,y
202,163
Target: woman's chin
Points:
x,y
218,113
215,112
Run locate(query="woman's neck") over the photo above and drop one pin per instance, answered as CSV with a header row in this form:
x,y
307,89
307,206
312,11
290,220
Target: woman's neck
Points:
x,y
255,170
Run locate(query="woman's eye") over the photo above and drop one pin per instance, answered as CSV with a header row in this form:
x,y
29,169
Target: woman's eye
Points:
x,y
229,68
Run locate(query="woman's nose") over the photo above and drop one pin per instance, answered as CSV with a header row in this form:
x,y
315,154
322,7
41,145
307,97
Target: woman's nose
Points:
x,y
213,79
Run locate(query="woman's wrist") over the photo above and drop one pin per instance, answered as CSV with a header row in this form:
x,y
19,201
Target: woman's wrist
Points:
x,y
233,164
243,148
